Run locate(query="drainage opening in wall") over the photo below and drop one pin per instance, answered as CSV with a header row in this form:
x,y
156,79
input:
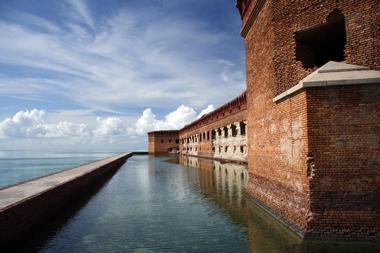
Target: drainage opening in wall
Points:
x,y
323,43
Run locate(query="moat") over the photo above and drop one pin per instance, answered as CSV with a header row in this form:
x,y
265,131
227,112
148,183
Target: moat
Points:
x,y
166,204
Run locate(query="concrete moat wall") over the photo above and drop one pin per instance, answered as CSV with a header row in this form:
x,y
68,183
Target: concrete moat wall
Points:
x,y
313,171
27,206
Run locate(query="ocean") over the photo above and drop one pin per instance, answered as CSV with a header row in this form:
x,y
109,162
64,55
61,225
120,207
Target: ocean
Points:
x,y
20,165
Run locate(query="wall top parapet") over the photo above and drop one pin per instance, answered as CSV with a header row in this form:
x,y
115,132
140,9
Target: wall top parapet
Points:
x,y
237,104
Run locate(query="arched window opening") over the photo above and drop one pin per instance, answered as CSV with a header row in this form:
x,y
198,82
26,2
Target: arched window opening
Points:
x,y
213,134
242,128
233,130
225,130
323,43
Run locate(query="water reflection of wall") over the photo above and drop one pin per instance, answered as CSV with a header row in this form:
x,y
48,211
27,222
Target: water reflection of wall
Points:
x,y
213,176
224,185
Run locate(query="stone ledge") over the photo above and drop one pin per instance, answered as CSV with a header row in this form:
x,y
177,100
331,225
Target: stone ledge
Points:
x,y
28,205
334,74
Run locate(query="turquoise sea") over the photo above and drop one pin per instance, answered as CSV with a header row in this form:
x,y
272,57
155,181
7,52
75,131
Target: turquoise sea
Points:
x,y
18,166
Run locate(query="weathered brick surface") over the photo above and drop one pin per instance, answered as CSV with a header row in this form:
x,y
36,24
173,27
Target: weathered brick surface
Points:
x,y
314,156
163,142
344,142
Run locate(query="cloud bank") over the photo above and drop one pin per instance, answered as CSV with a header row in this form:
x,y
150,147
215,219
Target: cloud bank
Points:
x,y
32,124
174,120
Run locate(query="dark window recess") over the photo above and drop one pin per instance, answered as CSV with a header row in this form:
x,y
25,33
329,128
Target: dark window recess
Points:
x,y
323,43
233,130
177,141
242,128
170,140
213,134
162,141
208,136
225,130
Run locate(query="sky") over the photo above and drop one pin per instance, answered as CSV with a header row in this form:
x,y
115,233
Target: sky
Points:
x,y
99,74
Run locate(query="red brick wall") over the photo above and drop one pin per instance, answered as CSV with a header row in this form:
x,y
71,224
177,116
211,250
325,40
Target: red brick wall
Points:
x,y
277,155
279,134
344,140
205,146
362,30
284,18
161,142
231,112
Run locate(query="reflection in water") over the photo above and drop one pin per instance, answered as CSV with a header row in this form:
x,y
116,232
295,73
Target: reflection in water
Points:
x,y
154,205
224,185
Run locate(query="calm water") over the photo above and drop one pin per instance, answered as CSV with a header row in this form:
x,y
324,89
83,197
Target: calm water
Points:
x,y
18,166
154,204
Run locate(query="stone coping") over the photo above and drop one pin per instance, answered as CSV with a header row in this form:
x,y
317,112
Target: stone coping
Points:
x,y
334,74
15,194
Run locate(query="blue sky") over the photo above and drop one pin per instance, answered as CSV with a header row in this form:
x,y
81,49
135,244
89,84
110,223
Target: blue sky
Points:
x,y
98,74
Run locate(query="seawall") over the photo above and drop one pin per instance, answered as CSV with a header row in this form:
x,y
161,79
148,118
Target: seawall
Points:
x,y
25,206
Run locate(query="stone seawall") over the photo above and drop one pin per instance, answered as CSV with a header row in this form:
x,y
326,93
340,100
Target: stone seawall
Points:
x,y
25,206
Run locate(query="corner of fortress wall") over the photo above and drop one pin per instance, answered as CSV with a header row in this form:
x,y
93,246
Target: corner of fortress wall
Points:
x,y
313,150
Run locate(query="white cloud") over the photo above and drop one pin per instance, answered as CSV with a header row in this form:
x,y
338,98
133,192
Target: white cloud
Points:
x,y
32,124
180,117
23,124
175,120
113,64
163,59
110,126
67,129
40,128
81,12
208,109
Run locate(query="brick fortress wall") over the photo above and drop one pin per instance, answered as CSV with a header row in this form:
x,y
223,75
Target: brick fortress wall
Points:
x,y
308,161
163,142
220,134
